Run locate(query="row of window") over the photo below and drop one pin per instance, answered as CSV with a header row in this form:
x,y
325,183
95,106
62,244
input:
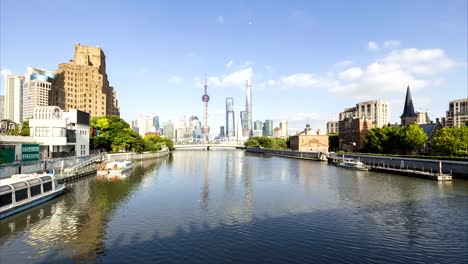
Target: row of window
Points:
x,y
23,191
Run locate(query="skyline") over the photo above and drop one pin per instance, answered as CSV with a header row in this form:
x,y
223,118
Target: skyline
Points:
x,y
312,59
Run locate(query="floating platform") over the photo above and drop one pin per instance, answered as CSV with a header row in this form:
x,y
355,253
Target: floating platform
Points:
x,y
414,173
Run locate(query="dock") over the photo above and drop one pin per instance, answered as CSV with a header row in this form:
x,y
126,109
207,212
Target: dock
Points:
x,y
414,173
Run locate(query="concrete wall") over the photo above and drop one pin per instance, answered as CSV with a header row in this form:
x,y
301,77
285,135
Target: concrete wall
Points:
x,y
136,156
287,153
459,169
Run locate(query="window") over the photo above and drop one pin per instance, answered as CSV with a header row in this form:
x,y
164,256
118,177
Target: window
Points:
x,y
47,186
35,190
21,194
6,199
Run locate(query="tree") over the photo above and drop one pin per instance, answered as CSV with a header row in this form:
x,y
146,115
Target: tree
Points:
x,y
452,141
25,128
412,137
252,142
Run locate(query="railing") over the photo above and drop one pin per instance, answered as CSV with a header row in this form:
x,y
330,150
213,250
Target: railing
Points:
x,y
84,163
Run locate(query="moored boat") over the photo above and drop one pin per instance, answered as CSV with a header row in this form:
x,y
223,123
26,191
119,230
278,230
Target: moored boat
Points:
x,y
23,191
114,168
353,164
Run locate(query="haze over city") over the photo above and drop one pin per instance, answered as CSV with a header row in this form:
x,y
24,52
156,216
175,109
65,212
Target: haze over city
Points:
x,y
307,60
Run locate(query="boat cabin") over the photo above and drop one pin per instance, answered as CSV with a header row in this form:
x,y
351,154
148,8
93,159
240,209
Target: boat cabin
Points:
x,y
22,187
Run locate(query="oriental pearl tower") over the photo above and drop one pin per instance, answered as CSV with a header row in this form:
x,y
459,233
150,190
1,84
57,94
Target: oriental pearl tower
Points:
x,y
206,128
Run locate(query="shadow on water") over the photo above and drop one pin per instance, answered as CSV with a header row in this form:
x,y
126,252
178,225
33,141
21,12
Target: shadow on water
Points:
x,y
324,236
80,216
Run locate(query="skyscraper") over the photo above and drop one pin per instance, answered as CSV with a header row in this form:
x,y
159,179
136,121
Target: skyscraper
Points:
x,y
36,87
268,128
83,84
230,124
284,128
221,132
248,85
244,115
258,128
145,125
2,107
168,129
156,124
14,98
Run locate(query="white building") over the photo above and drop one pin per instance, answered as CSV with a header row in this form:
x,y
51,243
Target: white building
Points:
x,y
14,98
332,127
145,125
457,115
284,128
376,110
60,133
36,87
2,107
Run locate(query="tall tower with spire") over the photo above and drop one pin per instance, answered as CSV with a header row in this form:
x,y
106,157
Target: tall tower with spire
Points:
x,y
409,116
206,128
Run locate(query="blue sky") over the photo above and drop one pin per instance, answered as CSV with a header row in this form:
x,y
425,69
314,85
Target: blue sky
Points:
x,y
308,60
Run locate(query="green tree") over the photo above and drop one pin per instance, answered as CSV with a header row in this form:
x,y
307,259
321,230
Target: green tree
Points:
x,y
25,128
252,142
412,137
452,141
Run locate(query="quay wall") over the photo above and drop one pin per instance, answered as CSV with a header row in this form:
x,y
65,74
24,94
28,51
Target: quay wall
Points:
x,y
136,156
458,169
288,153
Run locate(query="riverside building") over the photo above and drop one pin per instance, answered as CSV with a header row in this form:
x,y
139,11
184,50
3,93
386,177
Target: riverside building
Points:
x,y
457,115
14,98
36,87
83,84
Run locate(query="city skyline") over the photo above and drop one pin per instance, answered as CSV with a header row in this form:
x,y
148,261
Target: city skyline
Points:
x,y
294,54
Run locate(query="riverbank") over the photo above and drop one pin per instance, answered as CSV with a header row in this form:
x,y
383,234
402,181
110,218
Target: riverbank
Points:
x,y
317,156
137,156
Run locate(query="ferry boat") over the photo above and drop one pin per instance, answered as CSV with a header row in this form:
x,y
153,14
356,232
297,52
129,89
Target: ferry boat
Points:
x,y
353,164
23,191
114,168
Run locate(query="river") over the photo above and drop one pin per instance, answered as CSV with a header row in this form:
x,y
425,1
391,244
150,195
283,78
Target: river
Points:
x,y
235,207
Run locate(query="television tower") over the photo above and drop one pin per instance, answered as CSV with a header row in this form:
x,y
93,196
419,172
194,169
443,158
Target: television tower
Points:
x,y
206,128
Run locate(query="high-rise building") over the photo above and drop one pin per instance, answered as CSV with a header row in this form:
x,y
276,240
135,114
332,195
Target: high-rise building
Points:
x,y
277,132
268,128
168,129
145,125
134,126
258,128
221,132
284,128
156,124
376,110
248,108
2,107
83,84
244,115
332,127
457,115
195,127
36,87
230,123
14,98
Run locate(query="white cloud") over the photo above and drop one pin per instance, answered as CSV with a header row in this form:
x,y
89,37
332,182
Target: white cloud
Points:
x,y
344,63
391,44
392,74
174,79
237,78
229,64
4,72
371,45
299,80
220,19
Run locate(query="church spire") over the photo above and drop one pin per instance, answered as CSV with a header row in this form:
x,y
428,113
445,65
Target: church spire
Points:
x,y
409,108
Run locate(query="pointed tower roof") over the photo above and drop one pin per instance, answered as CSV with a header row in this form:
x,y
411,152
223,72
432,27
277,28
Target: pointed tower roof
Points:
x,y
408,109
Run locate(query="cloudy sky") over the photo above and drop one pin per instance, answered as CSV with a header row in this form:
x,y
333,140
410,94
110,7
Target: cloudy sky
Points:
x,y
307,60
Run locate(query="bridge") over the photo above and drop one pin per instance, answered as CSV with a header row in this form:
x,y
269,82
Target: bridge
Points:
x,y
197,144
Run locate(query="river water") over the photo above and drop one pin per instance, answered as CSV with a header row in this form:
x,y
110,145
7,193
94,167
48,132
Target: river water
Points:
x,y
234,207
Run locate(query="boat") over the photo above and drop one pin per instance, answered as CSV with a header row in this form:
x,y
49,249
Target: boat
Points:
x,y
23,191
114,168
353,164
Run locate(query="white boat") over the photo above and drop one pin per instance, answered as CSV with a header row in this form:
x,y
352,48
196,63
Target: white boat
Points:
x,y
115,168
353,164
23,191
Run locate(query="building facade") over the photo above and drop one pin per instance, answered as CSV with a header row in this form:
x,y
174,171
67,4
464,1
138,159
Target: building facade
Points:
x,y
2,107
156,125
352,132
168,129
145,125
376,110
83,84
230,117
60,133
457,115
248,108
332,127
13,106
284,128
268,128
36,88
307,141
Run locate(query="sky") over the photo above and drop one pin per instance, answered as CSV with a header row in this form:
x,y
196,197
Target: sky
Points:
x,y
308,60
